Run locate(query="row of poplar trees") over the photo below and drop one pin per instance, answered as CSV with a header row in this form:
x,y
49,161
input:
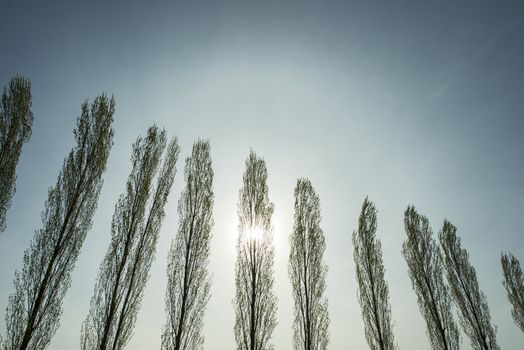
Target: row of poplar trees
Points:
x,y
35,306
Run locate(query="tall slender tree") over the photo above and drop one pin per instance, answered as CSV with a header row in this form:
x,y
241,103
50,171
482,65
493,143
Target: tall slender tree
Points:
x,y
134,232
514,284
474,313
425,265
373,293
34,309
255,302
307,272
188,282
16,121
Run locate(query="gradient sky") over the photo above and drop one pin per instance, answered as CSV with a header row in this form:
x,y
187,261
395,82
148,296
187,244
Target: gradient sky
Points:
x,y
407,102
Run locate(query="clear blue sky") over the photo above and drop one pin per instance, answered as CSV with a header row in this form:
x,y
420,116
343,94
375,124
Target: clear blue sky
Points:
x,y
407,102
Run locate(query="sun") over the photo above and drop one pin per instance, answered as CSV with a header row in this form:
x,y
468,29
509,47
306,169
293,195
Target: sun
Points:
x,y
255,234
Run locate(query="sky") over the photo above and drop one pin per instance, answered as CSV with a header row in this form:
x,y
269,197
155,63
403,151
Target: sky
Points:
x,y
407,102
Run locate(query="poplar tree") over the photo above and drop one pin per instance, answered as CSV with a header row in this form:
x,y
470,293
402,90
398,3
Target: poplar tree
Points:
x,y
307,272
134,232
425,265
373,293
34,309
474,313
16,121
255,302
188,281
514,284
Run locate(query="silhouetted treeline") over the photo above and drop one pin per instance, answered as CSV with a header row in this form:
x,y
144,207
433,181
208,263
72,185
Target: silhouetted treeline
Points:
x,y
440,270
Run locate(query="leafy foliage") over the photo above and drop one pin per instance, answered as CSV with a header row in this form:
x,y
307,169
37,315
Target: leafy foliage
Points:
x,y
426,272
255,302
373,293
35,307
134,232
188,282
16,121
514,283
307,272
475,318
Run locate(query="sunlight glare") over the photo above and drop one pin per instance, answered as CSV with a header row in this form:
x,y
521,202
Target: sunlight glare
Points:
x,y
255,234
